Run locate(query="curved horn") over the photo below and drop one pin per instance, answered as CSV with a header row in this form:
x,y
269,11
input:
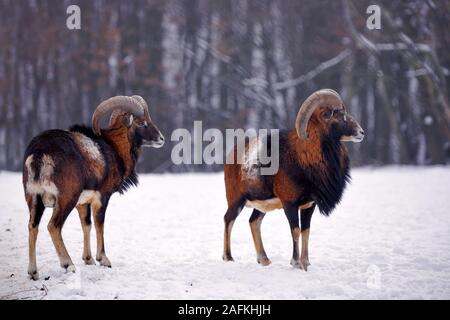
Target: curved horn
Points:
x,y
140,100
315,100
124,103
143,104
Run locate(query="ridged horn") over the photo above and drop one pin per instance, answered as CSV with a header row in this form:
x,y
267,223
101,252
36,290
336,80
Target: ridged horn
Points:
x,y
143,104
315,100
124,103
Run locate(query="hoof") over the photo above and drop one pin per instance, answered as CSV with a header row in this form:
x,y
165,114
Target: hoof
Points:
x,y
302,263
227,257
104,261
296,264
89,261
34,275
264,261
305,263
70,269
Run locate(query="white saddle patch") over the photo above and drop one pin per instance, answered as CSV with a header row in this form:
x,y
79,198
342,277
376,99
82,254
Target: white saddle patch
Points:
x,y
90,147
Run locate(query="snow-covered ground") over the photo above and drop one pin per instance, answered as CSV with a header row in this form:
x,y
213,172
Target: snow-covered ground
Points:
x,y
389,238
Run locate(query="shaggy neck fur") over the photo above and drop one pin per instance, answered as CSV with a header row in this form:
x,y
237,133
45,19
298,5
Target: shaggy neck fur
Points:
x,y
127,145
118,138
326,165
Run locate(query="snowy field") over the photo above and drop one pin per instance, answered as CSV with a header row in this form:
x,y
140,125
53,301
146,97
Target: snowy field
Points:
x,y
389,239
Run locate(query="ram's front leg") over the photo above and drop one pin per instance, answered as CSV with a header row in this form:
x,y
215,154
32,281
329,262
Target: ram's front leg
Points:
x,y
291,212
98,211
305,221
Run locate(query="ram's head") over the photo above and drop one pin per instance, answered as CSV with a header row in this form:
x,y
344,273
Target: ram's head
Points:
x,y
131,113
326,111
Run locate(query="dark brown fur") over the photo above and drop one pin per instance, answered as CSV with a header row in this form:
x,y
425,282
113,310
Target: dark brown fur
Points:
x,y
74,170
311,172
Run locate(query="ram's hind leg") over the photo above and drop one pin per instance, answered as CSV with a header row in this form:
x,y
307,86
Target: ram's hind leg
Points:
x,y
84,212
231,215
61,211
36,208
255,225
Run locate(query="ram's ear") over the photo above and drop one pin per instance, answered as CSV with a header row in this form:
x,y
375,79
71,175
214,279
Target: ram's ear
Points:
x,y
128,120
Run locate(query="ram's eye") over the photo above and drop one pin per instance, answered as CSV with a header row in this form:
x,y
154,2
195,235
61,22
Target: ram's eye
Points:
x,y
142,124
327,114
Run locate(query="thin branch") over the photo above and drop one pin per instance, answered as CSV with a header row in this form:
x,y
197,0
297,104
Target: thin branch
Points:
x,y
421,47
313,73
15,295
